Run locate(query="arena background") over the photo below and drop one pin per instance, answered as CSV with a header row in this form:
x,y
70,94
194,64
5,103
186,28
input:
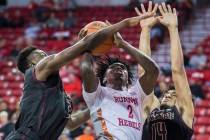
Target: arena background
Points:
x,y
53,25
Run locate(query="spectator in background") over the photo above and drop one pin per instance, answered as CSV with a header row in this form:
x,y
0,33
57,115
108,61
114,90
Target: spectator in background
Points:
x,y
157,35
2,46
18,20
87,134
2,42
5,126
65,135
70,20
132,4
18,44
185,8
58,4
5,19
72,85
40,12
72,4
3,105
198,60
196,88
53,22
32,30
61,33
186,57
15,114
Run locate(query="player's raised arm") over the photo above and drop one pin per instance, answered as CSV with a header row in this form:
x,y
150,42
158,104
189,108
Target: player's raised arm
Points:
x,y
54,62
150,67
146,25
90,81
184,97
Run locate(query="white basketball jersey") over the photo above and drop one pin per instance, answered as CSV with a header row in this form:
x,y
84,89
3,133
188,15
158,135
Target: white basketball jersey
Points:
x,y
116,115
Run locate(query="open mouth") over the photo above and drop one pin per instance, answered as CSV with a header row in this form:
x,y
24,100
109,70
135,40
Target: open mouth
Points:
x,y
166,100
118,72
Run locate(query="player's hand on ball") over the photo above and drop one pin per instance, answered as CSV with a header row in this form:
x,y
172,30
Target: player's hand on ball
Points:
x,y
133,21
169,16
82,33
147,22
117,37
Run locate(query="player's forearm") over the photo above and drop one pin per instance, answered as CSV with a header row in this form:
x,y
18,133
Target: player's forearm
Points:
x,y
144,41
146,63
88,74
177,61
144,45
93,41
86,65
86,44
78,119
64,57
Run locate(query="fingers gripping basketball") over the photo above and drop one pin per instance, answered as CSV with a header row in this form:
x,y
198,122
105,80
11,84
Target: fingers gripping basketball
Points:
x,y
106,45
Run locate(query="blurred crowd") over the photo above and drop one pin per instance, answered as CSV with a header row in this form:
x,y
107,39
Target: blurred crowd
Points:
x,y
73,87
158,32
43,17
42,23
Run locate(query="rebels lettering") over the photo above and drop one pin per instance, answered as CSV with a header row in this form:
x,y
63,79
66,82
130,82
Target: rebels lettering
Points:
x,y
129,100
123,122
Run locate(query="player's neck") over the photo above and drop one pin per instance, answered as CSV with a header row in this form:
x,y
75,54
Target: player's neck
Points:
x,y
117,87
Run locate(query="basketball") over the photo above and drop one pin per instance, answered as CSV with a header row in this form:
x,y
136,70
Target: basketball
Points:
x,y
106,45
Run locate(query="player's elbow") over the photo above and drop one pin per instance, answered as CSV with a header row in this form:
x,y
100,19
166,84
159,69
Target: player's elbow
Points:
x,y
86,67
154,71
177,70
71,125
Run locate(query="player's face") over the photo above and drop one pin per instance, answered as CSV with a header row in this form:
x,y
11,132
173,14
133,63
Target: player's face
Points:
x,y
169,98
117,74
35,57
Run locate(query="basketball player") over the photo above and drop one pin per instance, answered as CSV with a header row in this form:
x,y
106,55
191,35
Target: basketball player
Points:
x,y
114,104
144,46
172,119
44,108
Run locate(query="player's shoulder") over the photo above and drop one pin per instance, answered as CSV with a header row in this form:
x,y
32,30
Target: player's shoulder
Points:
x,y
45,60
29,73
135,87
42,64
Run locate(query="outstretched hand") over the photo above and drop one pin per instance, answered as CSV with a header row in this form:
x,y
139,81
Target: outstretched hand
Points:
x,y
147,22
133,21
169,17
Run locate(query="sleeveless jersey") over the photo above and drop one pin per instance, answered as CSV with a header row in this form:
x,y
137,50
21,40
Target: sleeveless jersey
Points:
x,y
166,124
116,114
44,106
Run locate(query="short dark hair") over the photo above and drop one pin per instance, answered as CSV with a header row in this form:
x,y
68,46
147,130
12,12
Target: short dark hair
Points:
x,y
22,63
103,64
171,87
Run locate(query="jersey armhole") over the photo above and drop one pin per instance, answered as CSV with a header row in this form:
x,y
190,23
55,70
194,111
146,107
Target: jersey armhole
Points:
x,y
91,97
35,78
140,90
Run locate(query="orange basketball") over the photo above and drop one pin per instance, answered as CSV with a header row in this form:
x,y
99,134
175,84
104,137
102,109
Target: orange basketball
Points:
x,y
106,45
